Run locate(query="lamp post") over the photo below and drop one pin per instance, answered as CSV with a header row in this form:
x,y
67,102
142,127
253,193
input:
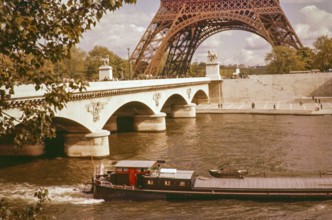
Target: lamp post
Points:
x,y
128,63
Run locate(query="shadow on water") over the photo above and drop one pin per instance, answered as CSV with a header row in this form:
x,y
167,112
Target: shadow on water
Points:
x,y
8,161
53,149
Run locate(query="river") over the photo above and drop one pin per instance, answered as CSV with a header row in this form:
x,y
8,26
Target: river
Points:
x,y
263,144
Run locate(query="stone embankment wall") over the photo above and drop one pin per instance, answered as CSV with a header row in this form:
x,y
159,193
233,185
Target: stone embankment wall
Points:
x,y
286,87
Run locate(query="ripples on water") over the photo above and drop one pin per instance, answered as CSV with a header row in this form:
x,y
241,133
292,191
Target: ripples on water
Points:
x,y
274,145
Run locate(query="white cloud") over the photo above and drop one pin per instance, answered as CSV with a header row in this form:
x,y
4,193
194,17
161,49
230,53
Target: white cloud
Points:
x,y
117,31
303,1
255,42
253,58
315,23
211,43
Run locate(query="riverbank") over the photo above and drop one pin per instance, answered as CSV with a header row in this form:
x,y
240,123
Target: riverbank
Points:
x,y
304,106
276,88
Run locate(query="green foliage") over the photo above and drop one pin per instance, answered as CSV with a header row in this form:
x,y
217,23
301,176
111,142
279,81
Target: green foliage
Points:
x,y
283,60
197,69
72,67
35,35
28,213
306,56
93,62
323,50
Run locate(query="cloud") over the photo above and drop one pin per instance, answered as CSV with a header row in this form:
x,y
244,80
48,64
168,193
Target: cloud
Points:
x,y
255,42
304,1
252,58
315,23
117,31
211,43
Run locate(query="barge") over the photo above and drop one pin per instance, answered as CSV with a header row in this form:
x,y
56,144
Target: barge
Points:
x,y
224,172
137,180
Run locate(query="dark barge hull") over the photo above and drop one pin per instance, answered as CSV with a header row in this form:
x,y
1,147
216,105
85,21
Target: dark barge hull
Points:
x,y
109,192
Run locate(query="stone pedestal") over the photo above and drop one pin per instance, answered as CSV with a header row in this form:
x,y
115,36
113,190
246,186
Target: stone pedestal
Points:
x,y
155,122
105,73
85,145
183,111
213,70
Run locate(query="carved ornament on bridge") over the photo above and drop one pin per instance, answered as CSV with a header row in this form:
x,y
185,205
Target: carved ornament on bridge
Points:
x,y
95,108
156,98
189,93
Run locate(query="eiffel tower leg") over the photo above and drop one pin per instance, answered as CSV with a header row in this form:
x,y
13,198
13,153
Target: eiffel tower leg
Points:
x,y
276,24
180,26
181,52
146,48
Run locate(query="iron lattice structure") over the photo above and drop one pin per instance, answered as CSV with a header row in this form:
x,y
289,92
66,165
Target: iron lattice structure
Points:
x,y
180,26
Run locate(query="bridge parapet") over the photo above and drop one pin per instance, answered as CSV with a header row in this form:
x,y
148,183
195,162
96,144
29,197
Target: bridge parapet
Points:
x,y
27,93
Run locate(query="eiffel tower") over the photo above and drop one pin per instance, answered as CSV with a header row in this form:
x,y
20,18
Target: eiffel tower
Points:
x,y
180,26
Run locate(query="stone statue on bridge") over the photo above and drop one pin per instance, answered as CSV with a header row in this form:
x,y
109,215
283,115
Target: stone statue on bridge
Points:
x,y
212,66
212,56
105,61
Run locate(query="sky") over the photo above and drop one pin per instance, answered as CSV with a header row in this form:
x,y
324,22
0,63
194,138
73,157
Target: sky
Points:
x,y
124,28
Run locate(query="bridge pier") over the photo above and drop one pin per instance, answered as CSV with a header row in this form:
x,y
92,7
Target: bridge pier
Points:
x,y
183,111
215,91
154,122
85,145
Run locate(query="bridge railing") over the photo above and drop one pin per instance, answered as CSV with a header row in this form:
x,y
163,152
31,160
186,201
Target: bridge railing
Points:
x,y
28,91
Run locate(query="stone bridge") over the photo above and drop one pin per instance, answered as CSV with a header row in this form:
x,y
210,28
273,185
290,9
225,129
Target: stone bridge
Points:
x,y
139,105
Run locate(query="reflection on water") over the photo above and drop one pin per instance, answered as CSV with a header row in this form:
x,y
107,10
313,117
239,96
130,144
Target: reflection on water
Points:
x,y
273,145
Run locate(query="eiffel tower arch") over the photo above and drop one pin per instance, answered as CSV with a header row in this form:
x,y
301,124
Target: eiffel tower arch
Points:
x,y
180,26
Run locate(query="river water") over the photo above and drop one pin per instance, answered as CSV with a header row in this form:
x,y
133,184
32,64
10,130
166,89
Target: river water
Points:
x,y
263,144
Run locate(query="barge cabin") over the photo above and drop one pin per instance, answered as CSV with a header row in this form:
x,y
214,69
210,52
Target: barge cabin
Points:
x,y
150,175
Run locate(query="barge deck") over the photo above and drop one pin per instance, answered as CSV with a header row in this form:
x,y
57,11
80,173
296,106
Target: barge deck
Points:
x,y
264,183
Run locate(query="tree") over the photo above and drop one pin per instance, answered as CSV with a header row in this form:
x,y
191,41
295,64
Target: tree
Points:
x,y
29,212
93,62
306,56
283,60
323,50
35,34
72,67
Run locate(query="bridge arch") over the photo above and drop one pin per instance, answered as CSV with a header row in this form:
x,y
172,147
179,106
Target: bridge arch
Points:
x,y
123,118
177,106
133,108
175,99
68,125
200,97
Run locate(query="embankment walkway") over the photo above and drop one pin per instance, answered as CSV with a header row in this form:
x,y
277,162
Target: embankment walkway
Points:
x,y
304,106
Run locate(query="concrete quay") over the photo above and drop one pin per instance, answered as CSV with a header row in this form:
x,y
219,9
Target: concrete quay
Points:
x,y
304,106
